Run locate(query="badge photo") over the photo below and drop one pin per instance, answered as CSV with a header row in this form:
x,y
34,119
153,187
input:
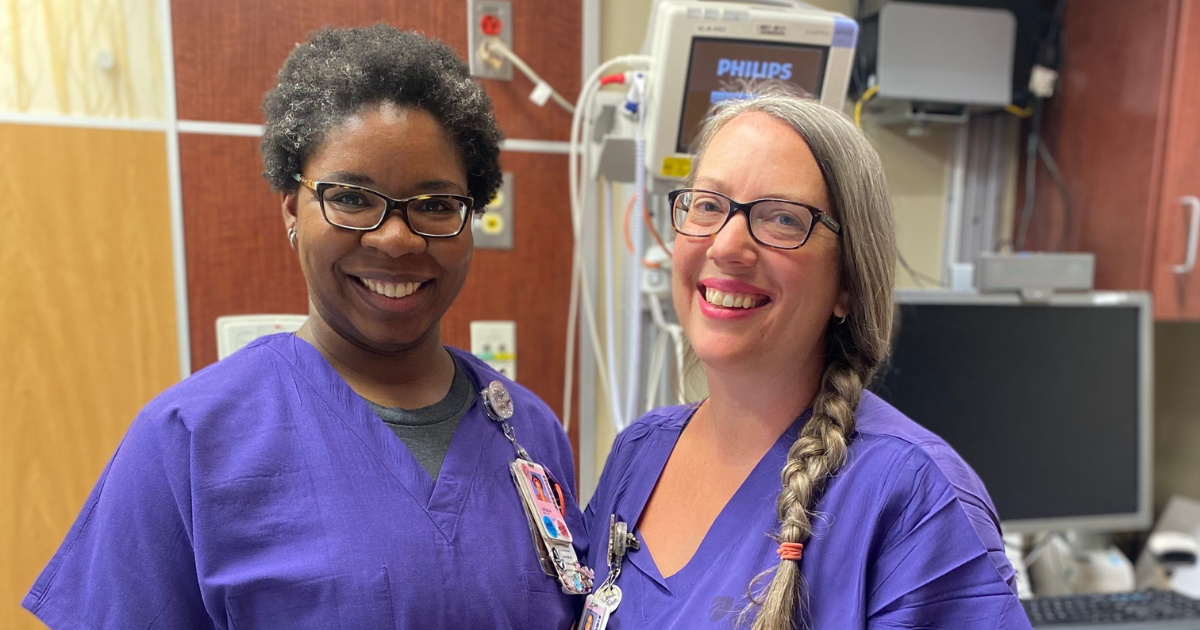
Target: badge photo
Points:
x,y
549,517
595,615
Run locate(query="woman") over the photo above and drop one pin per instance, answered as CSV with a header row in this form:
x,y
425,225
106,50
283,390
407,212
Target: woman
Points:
x,y
347,476
791,497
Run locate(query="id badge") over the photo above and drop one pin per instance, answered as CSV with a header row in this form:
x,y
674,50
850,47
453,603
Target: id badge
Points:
x,y
535,485
552,539
595,615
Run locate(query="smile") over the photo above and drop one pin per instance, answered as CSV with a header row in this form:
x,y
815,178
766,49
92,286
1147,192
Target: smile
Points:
x,y
392,290
732,300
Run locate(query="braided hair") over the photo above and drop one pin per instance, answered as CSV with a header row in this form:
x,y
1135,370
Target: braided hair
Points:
x,y
854,348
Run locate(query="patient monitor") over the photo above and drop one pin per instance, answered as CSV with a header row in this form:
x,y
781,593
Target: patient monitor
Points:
x,y
706,52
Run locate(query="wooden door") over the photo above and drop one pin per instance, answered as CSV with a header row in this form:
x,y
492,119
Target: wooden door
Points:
x,y
1177,288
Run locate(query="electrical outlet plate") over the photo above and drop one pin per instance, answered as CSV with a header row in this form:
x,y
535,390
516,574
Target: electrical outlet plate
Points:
x,y
495,343
236,331
477,12
493,229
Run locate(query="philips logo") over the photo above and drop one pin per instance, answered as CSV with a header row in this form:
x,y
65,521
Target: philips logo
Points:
x,y
747,69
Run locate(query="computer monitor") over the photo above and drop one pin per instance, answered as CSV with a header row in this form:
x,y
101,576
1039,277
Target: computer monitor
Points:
x,y
704,52
1049,403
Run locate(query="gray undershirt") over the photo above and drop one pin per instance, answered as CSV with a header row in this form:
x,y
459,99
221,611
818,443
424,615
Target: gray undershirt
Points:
x,y
427,431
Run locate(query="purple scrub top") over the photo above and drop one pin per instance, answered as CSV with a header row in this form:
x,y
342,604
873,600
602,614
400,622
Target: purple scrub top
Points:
x,y
906,535
262,492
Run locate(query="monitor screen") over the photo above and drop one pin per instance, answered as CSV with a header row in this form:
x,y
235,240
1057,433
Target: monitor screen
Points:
x,y
1042,401
719,68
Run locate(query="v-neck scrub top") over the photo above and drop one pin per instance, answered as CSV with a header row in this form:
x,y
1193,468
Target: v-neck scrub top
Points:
x,y
262,492
906,535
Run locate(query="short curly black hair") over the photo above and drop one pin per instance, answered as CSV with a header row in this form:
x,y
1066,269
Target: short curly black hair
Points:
x,y
338,71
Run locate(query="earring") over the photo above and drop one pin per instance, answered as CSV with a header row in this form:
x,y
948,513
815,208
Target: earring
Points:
x,y
843,319
292,236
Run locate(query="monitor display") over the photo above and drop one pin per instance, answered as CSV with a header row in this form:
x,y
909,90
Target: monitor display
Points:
x,y
719,68
1042,401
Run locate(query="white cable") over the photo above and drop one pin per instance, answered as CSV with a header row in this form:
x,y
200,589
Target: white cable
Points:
x,y
579,284
496,45
610,323
633,330
676,333
681,382
657,364
578,278
580,290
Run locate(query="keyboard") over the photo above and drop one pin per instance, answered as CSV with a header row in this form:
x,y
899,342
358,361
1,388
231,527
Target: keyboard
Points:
x,y
1143,610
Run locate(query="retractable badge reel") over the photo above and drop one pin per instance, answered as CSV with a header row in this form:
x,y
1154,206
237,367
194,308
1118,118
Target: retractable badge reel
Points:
x,y
601,604
542,498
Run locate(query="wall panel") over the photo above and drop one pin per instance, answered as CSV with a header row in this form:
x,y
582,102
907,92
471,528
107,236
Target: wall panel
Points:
x,y
87,325
99,58
228,53
238,258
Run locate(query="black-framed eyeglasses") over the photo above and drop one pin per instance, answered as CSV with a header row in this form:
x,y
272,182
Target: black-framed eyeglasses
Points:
x,y
777,223
363,209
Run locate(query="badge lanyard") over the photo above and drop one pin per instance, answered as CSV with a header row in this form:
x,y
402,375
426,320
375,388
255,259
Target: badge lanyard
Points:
x,y
543,501
601,604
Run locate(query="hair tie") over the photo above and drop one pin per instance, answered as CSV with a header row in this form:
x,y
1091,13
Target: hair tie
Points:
x,y
790,551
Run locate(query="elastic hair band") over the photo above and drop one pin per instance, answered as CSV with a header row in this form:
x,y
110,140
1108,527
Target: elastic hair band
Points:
x,y
790,551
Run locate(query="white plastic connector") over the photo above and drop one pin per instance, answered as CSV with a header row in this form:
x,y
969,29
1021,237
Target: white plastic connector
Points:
x,y
541,93
656,280
1042,80
636,94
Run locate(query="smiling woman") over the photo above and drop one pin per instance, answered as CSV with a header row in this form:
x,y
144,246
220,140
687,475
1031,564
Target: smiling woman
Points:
x,y
792,497
350,475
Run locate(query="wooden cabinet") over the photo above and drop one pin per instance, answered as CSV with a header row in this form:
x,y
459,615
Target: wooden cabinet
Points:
x,y
1125,127
1174,277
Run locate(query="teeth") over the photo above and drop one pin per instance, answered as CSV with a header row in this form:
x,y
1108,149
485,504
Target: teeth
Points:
x,y
730,300
398,290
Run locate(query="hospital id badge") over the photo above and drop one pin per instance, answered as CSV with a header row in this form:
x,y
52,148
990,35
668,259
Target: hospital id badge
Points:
x,y
595,615
537,495
551,538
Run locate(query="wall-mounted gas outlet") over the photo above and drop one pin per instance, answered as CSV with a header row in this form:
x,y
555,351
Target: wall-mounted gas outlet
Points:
x,y
236,331
496,344
488,20
493,229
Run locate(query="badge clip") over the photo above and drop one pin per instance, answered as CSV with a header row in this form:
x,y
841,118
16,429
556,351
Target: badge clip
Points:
x,y
498,405
603,602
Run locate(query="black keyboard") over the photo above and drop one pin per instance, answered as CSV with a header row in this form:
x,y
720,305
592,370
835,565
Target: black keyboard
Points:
x,y
1143,610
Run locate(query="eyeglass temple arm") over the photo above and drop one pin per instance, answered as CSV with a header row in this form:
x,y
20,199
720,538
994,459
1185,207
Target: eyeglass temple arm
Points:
x,y
830,222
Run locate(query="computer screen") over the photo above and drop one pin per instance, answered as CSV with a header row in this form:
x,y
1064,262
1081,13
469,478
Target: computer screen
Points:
x,y
1043,401
719,68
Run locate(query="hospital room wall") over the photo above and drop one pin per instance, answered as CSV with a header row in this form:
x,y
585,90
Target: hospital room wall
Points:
x,y
1177,411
